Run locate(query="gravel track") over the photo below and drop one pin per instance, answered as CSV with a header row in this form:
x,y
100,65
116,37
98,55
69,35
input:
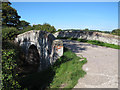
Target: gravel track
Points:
x,y
102,65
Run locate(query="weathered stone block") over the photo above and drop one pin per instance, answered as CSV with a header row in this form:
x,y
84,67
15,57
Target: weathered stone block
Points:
x,y
90,35
41,48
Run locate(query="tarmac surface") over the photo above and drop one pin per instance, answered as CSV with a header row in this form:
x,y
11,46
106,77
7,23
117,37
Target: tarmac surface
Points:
x,y
102,65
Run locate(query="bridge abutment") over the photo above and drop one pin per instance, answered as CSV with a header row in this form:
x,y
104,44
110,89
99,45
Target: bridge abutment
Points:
x,y
40,44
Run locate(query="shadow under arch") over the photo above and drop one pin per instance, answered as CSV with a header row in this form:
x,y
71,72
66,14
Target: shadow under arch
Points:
x,y
33,58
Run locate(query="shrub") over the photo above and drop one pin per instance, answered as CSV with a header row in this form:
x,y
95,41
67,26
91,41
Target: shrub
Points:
x,y
9,33
11,61
116,32
59,30
9,75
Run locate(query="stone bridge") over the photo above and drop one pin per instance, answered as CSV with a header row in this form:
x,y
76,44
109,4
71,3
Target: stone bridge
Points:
x,y
89,35
40,47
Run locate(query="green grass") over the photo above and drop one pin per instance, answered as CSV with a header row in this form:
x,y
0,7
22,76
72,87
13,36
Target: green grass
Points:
x,y
94,42
64,73
68,72
99,43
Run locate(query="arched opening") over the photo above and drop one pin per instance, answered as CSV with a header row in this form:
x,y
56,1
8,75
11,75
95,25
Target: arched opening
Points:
x,y
33,58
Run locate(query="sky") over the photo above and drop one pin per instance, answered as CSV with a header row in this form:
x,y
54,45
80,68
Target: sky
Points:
x,y
70,15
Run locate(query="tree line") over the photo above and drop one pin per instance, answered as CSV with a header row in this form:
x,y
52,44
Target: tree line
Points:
x,y
11,22
12,55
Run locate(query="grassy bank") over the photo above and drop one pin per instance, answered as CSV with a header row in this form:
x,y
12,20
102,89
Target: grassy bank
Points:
x,y
94,42
63,74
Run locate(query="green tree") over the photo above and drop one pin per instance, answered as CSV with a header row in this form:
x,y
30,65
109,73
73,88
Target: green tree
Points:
x,y
116,32
23,24
10,16
37,27
47,27
86,29
52,30
9,33
59,29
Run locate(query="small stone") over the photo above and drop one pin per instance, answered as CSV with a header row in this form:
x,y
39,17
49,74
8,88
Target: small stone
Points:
x,y
81,59
86,69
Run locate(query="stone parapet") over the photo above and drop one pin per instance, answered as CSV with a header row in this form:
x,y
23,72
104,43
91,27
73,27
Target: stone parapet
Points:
x,y
90,35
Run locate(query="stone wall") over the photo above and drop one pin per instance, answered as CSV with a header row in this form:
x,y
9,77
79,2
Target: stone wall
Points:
x,y
42,42
90,35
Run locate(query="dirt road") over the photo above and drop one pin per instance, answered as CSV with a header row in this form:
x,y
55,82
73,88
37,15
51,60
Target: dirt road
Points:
x,y
102,65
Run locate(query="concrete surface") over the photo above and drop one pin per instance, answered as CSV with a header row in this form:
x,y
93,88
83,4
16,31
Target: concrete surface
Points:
x,y
102,65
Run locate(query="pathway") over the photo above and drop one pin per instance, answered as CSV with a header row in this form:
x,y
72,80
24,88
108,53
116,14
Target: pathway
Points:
x,y
102,65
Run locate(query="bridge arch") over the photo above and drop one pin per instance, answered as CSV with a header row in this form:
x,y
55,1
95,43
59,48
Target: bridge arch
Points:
x,y
33,54
38,44
33,57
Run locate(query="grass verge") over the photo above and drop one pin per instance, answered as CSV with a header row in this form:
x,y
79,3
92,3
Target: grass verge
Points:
x,y
69,71
94,42
63,74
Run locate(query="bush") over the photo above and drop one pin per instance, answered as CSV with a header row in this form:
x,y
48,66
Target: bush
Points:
x,y
116,32
44,27
9,74
59,30
28,28
9,33
47,27
11,61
